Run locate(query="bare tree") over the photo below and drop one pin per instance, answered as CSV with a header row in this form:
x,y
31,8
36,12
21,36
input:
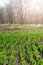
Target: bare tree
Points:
x,y
20,14
1,16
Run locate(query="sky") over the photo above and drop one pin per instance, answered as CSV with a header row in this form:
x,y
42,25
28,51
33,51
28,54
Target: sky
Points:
x,y
35,5
3,3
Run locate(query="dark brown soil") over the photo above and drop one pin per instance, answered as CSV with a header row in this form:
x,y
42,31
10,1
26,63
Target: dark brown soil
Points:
x,y
41,54
17,62
17,58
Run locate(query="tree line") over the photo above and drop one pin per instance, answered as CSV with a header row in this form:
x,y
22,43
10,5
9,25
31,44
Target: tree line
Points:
x,y
17,11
